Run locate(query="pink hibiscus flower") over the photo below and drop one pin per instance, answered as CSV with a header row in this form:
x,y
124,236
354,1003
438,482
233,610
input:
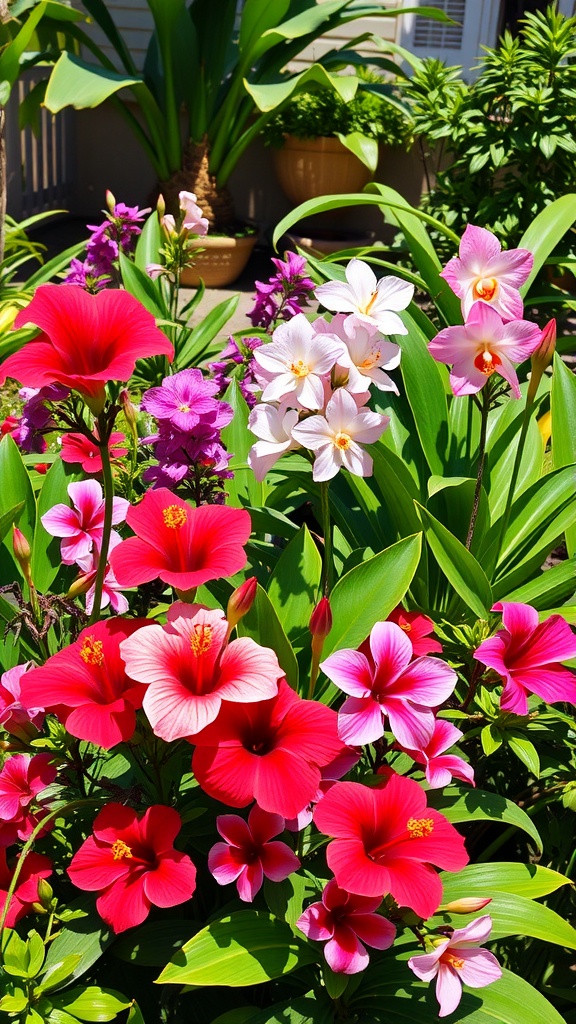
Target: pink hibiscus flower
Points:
x,y
14,717
189,670
131,862
247,856
22,779
181,545
35,867
271,752
385,841
417,628
457,961
527,653
86,583
82,526
382,679
483,273
482,346
344,922
441,767
86,684
76,448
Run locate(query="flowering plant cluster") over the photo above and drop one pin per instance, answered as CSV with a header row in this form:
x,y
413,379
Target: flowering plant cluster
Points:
x,y
265,707
116,234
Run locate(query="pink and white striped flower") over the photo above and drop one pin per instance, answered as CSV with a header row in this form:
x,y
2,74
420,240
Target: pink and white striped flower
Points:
x,y
272,425
295,361
441,767
345,922
247,855
373,302
483,273
82,526
382,679
337,436
458,961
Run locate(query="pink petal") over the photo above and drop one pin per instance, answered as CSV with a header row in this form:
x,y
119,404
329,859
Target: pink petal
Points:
x,y
350,671
248,672
427,965
234,830
360,721
374,930
552,683
278,861
427,681
391,649
472,934
412,726
414,885
225,863
250,881
263,825
517,617
480,967
440,770
448,990
327,463
103,724
61,521
478,247
316,923
124,904
345,954
172,881
514,698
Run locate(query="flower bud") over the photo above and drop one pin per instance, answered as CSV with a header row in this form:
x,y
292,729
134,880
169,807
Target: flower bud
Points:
x,y
241,601
161,206
110,200
80,586
468,905
22,553
45,893
542,357
128,409
321,619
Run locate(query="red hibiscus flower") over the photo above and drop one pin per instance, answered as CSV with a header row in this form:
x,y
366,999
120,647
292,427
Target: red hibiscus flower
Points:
x,y
271,752
35,867
132,863
87,687
76,448
183,546
86,340
418,628
385,841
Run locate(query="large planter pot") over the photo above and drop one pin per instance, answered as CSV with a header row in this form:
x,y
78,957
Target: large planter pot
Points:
x,y
318,242
307,168
221,262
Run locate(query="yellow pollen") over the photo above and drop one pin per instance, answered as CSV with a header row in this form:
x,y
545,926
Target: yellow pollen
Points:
x,y
419,828
201,639
174,516
485,288
300,369
366,309
454,961
92,651
183,408
371,361
120,849
342,441
405,626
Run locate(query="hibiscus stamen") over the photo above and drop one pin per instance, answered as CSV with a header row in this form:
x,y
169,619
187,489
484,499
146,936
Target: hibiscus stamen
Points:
x,y
201,639
485,288
487,362
405,626
120,849
420,827
342,440
92,651
174,516
300,368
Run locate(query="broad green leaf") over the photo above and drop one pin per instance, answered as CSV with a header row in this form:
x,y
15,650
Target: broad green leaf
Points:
x,y
15,490
269,96
476,805
550,588
363,147
60,973
425,392
285,899
563,411
149,243
194,349
451,501
528,880
75,83
13,51
135,1015
244,489
458,564
152,945
142,287
263,625
516,915
491,739
91,1003
525,750
369,592
397,488
9,518
246,948
500,463
546,230
293,587
87,936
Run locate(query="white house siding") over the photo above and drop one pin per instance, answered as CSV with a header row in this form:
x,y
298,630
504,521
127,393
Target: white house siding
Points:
x,y
134,23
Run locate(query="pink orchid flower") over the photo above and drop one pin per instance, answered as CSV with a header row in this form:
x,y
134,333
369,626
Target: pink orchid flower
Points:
x,y
345,922
16,719
373,302
458,961
367,353
273,428
337,437
247,856
482,346
296,360
441,767
382,679
527,653
111,595
483,273
82,526
193,219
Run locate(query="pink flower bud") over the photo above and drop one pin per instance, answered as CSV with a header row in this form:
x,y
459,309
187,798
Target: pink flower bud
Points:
x,y
468,905
128,409
543,355
241,601
21,547
110,200
321,619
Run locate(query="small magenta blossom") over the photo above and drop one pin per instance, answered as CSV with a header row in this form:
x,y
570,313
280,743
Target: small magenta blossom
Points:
x,y
337,437
345,922
82,526
15,718
295,362
442,767
458,961
273,428
247,855
527,653
482,346
373,302
483,273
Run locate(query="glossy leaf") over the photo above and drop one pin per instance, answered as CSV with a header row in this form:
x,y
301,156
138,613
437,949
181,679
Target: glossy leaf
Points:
x,y
459,566
204,333
563,410
546,231
293,587
476,805
77,83
528,880
263,625
15,490
425,392
91,1003
244,489
516,915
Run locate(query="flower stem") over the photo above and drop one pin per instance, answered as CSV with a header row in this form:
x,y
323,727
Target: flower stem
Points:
x,y
481,461
107,530
328,561
528,408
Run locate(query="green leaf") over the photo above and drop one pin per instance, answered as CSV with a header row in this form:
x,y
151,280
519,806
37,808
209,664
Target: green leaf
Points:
x,y
363,147
285,899
91,1003
477,805
269,96
211,325
524,750
546,231
152,945
36,952
528,880
59,973
516,915
135,1015
263,625
425,392
550,588
246,948
15,490
563,411
75,83
369,592
87,936
491,739
293,587
10,518
458,564
142,287
244,489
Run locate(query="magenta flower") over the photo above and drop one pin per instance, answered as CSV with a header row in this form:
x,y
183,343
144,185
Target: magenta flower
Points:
x,y
16,719
295,362
22,779
111,589
183,399
247,856
527,653
82,526
382,679
483,273
458,961
373,302
344,922
77,448
441,767
338,436
482,346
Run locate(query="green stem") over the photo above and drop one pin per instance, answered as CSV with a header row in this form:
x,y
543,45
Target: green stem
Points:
x,y
481,461
107,530
328,562
528,408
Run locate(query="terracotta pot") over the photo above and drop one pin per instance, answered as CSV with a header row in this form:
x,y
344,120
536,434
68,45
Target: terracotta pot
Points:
x,y
307,168
222,261
325,243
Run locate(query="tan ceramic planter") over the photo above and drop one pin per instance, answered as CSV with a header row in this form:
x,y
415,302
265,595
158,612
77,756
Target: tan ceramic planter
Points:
x,y
222,261
307,168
